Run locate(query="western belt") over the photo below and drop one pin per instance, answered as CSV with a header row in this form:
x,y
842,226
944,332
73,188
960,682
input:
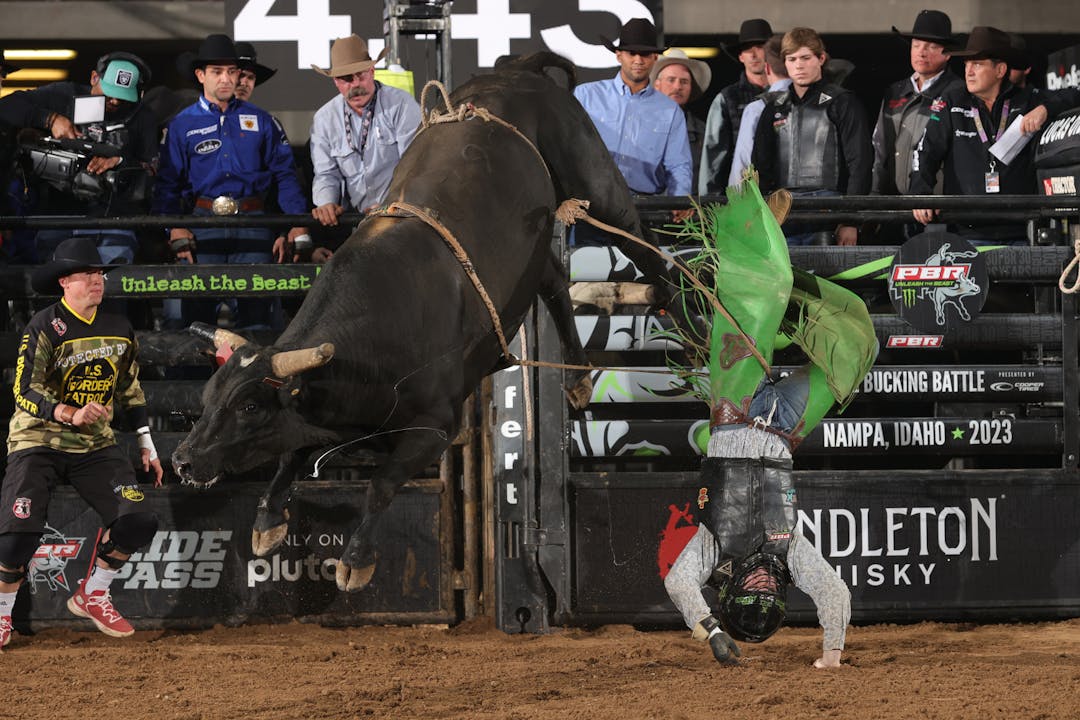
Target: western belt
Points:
x,y
225,205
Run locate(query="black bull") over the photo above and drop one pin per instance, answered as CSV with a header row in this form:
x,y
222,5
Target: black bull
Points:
x,y
409,335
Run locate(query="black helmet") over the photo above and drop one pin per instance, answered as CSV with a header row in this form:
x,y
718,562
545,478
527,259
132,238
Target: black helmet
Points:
x,y
754,601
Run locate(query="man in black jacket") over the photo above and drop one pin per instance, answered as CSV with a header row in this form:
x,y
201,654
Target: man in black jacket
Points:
x,y
966,121
905,109
813,138
127,125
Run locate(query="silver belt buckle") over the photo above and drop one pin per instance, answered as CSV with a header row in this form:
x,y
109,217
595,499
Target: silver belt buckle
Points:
x,y
225,205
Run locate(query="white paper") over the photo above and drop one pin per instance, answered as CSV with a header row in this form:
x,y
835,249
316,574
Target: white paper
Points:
x,y
1011,142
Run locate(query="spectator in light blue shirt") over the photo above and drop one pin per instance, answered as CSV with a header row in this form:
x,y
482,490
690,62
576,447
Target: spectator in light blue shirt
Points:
x,y
643,128
777,77
358,137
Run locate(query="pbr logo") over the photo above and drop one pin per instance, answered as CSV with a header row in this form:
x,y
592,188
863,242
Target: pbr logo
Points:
x,y
50,561
915,341
938,281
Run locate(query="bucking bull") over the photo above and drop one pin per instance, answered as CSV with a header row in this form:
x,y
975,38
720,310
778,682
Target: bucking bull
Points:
x,y
393,336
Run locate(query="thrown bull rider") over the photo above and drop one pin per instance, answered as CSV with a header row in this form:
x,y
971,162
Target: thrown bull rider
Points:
x,y
747,546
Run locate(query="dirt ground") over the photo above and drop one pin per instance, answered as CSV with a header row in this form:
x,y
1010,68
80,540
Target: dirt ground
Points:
x,y
475,671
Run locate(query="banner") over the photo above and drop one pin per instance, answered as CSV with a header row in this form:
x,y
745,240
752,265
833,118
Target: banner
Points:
x,y
199,568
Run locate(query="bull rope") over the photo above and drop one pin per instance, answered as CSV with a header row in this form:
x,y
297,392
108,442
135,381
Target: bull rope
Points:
x,y
570,211
1071,289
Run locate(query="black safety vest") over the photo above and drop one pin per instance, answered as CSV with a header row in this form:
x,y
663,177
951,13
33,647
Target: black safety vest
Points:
x,y
808,149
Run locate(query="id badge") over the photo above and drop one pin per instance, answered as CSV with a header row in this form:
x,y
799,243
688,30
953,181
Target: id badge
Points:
x,y
993,182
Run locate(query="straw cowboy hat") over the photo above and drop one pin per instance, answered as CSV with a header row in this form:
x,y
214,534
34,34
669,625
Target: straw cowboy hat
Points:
x,y
700,74
989,42
349,55
245,52
637,35
931,25
73,255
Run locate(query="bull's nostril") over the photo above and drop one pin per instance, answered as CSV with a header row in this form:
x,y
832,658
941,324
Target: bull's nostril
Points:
x,y
183,469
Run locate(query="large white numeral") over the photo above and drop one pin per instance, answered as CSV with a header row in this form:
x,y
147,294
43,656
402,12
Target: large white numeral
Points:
x,y
312,28
562,39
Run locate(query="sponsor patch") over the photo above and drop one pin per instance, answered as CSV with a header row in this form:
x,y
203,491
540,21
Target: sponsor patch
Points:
x,y
21,508
249,122
132,493
1065,185
61,327
124,78
201,131
207,146
777,124
937,106
824,99
702,498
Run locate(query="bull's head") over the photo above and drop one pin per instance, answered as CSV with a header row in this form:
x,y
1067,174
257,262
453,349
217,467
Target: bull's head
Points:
x,y
250,409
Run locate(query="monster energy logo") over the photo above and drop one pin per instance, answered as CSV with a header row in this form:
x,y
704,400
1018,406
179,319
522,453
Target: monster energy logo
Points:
x,y
908,294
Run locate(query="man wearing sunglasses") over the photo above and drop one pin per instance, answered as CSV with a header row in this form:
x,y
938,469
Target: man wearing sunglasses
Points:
x,y
358,137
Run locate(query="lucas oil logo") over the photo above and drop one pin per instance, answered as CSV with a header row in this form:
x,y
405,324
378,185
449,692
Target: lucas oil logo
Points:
x,y
937,282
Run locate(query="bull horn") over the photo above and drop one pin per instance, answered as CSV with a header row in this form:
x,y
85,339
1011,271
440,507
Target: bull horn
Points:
x,y
292,362
217,336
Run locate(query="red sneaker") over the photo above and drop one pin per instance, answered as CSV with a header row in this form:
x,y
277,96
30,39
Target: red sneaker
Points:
x,y
5,630
99,608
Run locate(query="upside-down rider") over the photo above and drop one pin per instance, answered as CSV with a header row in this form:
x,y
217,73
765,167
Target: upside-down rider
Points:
x,y
747,546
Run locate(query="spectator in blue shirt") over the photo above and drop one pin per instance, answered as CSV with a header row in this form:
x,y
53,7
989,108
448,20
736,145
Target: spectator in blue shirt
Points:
x,y
226,154
644,129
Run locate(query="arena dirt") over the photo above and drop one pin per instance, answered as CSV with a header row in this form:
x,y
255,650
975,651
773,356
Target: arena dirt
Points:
x,y
1019,672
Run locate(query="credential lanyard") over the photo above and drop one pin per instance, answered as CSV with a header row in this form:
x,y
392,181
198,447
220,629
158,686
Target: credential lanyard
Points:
x,y
366,118
1001,125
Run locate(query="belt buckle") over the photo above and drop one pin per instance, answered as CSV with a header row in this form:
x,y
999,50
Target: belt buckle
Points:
x,y
225,205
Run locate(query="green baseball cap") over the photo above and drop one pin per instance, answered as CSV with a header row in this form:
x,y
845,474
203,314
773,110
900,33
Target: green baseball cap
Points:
x,y
121,81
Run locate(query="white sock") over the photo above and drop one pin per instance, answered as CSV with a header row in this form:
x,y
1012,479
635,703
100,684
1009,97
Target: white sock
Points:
x,y
7,602
100,579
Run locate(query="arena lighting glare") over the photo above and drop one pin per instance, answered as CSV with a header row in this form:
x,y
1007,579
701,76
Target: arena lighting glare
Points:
x,y
41,75
50,55
700,53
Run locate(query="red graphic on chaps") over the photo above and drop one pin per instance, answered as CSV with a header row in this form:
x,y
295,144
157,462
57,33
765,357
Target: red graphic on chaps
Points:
x,y
733,349
673,538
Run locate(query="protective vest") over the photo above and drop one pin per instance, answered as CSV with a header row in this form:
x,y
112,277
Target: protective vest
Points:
x,y
749,505
808,149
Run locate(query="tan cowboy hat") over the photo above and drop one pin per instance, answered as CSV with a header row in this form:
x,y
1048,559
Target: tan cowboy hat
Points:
x,y
349,55
700,73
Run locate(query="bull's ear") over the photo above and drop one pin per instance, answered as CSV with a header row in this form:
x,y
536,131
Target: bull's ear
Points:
x,y
292,362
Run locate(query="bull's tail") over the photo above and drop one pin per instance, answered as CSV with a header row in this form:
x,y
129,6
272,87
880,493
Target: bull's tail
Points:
x,y
538,63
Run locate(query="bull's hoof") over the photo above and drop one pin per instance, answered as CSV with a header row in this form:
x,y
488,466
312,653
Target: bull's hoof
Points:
x,y
580,395
263,542
350,579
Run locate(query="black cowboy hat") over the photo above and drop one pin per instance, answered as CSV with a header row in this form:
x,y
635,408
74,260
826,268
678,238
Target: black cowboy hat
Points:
x,y
249,61
6,68
751,32
988,42
637,35
1019,44
932,25
215,49
71,256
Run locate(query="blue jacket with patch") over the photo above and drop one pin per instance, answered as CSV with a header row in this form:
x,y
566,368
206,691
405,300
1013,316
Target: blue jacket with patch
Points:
x,y
240,152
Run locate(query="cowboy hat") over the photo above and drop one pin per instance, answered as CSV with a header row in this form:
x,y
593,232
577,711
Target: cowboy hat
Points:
x,y
71,256
988,42
751,32
349,55
245,51
638,35
6,68
931,25
700,74
215,49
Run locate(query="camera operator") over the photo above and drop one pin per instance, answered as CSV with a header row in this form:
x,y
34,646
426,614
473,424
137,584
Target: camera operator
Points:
x,y
113,167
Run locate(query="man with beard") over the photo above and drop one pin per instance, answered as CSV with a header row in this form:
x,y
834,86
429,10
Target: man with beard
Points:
x,y
816,141
226,154
128,126
643,129
359,136
684,80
